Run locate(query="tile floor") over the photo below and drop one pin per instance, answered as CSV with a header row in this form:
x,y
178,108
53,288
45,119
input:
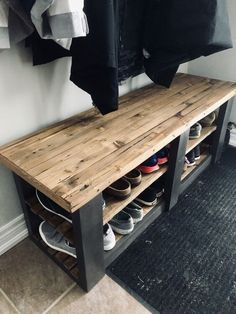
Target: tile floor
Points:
x,y
31,283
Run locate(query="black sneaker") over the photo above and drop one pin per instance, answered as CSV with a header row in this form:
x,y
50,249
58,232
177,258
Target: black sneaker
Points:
x,y
158,186
190,159
147,197
197,152
195,131
122,223
52,207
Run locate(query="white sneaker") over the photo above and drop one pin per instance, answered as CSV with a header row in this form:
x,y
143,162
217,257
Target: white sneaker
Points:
x,y
109,238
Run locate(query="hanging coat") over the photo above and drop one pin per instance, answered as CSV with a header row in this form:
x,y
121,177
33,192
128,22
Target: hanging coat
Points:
x,y
60,20
15,25
180,31
94,58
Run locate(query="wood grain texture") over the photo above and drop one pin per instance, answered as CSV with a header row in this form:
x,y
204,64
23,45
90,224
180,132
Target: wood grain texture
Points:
x,y
74,160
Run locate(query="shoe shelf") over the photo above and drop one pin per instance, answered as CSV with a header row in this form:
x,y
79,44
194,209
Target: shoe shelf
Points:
x,y
189,170
123,241
73,161
65,261
206,131
113,205
60,224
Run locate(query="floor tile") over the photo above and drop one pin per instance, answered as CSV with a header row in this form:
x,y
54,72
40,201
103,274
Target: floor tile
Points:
x,y
5,306
30,279
105,298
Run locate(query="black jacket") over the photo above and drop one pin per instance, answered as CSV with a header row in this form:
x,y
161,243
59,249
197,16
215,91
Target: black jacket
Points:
x,y
130,36
180,31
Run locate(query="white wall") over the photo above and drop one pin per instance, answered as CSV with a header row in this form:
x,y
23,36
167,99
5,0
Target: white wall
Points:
x,y
220,65
31,98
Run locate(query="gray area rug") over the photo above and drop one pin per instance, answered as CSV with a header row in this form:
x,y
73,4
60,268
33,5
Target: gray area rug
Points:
x,y
185,262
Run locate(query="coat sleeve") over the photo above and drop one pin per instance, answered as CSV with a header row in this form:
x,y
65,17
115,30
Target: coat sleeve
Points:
x,y
64,19
4,31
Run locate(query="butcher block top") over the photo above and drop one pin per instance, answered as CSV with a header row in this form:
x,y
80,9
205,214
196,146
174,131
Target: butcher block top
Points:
x,y
74,160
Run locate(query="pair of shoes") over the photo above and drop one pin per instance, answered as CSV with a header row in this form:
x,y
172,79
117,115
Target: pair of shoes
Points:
x,y
109,239
123,222
192,156
195,131
134,177
148,197
162,156
56,240
150,165
135,211
158,187
208,120
122,187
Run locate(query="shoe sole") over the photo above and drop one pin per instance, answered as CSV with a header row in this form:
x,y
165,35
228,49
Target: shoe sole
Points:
x,y
197,158
136,220
192,137
147,169
50,245
122,231
51,211
192,164
147,203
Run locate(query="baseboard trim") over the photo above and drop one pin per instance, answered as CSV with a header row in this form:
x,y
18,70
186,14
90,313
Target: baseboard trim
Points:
x,y
12,233
232,140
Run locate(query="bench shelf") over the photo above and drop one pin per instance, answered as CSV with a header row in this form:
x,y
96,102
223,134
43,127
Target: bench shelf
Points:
x,y
75,160
207,131
113,206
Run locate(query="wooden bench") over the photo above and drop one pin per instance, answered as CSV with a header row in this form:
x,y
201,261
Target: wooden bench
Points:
x,y
74,160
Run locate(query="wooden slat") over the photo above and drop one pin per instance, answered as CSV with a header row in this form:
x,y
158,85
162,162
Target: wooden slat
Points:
x,y
74,160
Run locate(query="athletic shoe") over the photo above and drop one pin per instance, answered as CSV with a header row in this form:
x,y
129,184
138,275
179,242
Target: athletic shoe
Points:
x,y
134,177
162,156
197,152
135,211
195,131
55,240
157,186
150,165
147,197
122,223
52,207
190,159
208,120
109,239
120,189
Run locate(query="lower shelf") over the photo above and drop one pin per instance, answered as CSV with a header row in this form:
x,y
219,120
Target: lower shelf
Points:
x,y
192,173
150,214
68,263
189,170
61,225
64,261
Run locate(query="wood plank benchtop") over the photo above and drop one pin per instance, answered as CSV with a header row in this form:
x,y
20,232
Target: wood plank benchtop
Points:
x,y
74,160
